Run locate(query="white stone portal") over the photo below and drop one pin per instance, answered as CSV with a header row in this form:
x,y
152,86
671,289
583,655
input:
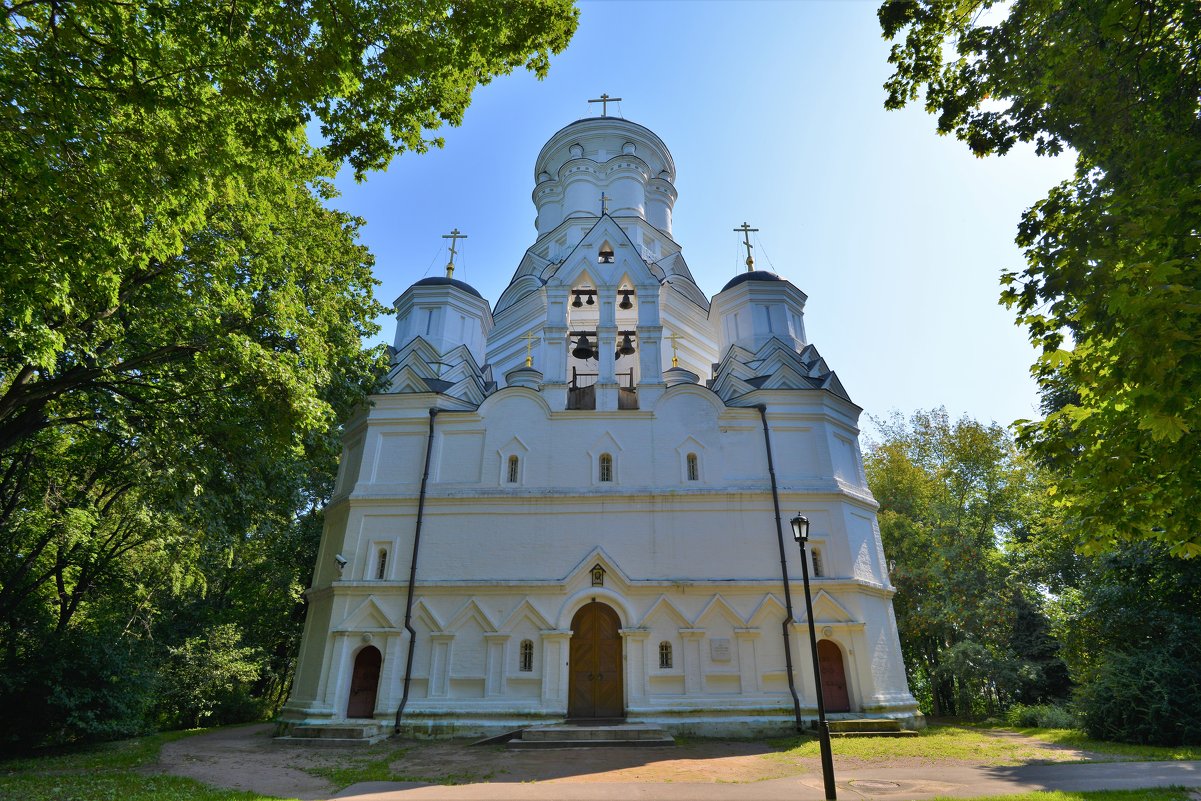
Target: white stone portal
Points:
x,y
600,486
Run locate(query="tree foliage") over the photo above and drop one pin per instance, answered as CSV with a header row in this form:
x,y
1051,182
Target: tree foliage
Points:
x,y
181,317
1132,639
953,496
1111,292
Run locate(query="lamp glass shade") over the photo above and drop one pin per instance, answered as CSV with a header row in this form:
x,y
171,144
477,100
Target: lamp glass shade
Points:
x,y
800,528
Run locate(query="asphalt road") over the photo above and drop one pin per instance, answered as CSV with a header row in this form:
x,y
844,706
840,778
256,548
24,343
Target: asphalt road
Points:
x,y
867,783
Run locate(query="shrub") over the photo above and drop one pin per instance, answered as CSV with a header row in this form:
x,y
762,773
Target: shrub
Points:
x,y
1151,696
1040,716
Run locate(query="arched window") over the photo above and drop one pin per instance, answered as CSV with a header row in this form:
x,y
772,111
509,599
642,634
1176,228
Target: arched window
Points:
x,y
606,467
527,656
514,464
694,470
664,655
381,567
818,568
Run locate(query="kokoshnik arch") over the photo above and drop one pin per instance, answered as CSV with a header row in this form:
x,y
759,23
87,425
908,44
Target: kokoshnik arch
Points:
x,y
564,506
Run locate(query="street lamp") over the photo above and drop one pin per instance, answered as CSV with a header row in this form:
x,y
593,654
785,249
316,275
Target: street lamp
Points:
x,y
800,533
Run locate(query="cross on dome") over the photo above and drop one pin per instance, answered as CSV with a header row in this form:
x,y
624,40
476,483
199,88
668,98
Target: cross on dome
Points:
x,y
454,236
605,100
746,235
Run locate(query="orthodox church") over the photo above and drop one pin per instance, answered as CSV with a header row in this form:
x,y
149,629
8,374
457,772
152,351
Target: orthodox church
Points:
x,y
567,505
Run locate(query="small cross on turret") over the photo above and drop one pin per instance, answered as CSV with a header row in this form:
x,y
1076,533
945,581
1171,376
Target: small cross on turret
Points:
x,y
675,345
746,236
454,236
605,100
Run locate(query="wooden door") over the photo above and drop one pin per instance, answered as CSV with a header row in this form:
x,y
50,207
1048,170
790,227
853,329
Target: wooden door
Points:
x,y
595,684
834,678
363,683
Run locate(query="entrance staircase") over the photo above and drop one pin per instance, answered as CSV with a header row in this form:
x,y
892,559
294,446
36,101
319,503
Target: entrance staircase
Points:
x,y
334,735
592,735
868,727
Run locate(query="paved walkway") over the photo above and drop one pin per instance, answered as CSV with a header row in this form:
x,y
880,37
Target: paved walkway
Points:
x,y
864,783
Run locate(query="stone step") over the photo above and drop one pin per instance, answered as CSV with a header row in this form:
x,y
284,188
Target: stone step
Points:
x,y
592,736
872,725
901,733
335,734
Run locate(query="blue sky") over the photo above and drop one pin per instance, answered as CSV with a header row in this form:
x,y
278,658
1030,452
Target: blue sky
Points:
x,y
774,114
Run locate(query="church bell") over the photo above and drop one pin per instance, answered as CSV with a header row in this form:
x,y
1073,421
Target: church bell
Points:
x,y
627,347
583,348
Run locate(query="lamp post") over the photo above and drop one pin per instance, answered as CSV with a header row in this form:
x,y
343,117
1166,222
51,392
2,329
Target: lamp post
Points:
x,y
800,532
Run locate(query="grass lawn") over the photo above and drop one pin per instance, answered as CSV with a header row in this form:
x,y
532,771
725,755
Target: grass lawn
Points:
x,y
107,772
1165,794
1147,753
935,743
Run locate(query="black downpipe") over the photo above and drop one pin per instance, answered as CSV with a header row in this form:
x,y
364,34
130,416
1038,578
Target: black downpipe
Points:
x,y
425,475
775,497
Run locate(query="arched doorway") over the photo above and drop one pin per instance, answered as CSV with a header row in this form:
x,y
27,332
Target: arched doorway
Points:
x,y
834,678
595,683
364,681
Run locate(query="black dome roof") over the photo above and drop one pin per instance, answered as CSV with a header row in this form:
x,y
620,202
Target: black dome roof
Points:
x,y
441,280
755,275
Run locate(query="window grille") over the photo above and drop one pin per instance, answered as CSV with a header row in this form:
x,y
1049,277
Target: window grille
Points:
x,y
694,471
606,467
818,568
664,655
514,464
527,656
381,569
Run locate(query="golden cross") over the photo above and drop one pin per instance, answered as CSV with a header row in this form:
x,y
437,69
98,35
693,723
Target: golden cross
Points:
x,y
605,100
529,347
675,344
746,235
604,204
454,236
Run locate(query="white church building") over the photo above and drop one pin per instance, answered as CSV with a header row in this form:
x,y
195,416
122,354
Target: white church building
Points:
x,y
567,506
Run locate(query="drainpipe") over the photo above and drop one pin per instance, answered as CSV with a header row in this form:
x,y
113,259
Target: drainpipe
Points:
x,y
775,497
425,474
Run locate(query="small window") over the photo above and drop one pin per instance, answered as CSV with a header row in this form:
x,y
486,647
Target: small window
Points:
x,y
664,655
381,568
694,470
606,467
818,568
527,656
514,464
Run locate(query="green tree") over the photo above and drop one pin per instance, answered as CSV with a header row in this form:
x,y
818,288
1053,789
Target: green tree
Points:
x,y
181,310
1132,640
952,496
1111,292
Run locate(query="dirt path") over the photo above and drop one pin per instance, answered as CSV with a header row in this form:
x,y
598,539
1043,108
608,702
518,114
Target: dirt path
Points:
x,y
245,758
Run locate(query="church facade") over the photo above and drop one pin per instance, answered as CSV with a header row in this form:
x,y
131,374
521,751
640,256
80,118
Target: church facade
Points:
x,y
567,506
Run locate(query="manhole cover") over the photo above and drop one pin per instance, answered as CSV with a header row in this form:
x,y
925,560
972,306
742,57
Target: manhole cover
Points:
x,y
873,784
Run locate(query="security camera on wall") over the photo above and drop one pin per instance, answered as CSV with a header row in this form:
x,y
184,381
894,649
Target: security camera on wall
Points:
x,y
341,561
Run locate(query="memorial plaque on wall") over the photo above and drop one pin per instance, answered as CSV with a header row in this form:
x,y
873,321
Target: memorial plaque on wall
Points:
x,y
719,649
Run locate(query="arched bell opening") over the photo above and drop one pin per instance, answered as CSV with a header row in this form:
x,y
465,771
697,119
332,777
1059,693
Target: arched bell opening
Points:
x,y
625,358
583,355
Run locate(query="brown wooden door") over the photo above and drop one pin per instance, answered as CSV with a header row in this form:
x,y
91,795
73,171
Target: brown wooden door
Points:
x,y
595,686
834,678
363,683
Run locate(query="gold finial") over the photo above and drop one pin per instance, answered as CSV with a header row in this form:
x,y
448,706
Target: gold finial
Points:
x,y
675,344
454,236
605,100
746,236
529,348
604,204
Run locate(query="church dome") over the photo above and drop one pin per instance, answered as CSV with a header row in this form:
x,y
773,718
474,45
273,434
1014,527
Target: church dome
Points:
x,y
755,275
623,160
441,280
